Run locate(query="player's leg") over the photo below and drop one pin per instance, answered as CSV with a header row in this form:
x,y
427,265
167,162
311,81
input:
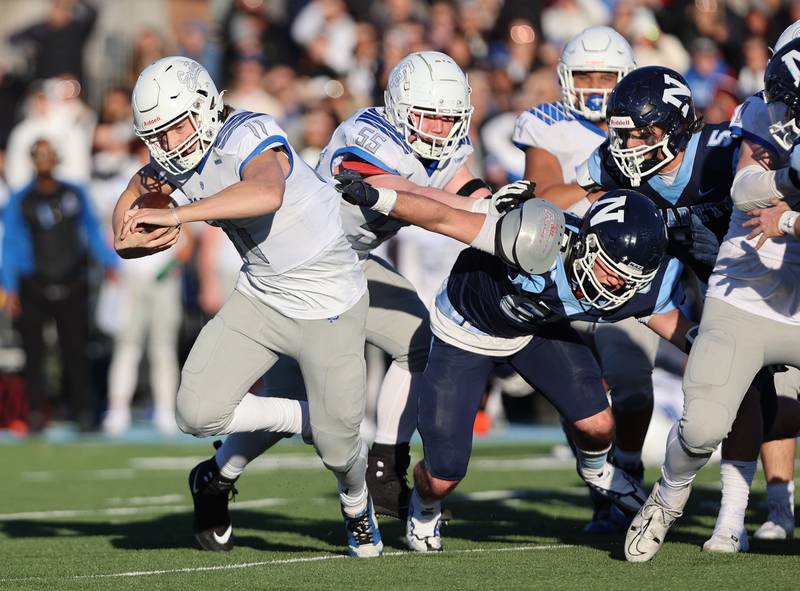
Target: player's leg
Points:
x,y
450,393
331,358
129,343
738,465
162,351
397,323
561,366
72,322
725,357
777,458
232,351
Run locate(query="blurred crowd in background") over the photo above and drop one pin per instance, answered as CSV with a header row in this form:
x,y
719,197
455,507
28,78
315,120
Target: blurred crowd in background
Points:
x,y
309,64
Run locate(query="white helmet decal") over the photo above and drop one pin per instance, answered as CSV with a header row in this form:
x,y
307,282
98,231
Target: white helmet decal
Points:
x,y
167,92
596,49
425,84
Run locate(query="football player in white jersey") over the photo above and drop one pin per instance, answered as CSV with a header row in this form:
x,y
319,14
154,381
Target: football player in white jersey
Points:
x,y
556,137
301,290
751,318
418,142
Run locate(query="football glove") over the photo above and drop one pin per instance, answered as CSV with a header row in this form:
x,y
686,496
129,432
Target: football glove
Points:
x,y
354,189
509,196
705,245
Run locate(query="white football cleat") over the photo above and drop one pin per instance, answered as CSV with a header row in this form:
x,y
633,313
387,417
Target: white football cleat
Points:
x,y
779,524
649,527
117,422
422,525
363,535
727,541
618,486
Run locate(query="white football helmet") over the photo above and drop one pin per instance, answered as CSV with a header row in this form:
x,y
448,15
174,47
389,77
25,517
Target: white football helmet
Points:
x,y
791,32
596,49
428,83
168,91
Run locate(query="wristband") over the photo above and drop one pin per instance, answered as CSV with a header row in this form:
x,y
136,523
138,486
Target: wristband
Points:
x,y
482,205
786,223
386,200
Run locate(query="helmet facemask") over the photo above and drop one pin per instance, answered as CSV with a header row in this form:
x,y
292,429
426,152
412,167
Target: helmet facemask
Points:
x,y
634,162
783,117
592,291
589,103
203,117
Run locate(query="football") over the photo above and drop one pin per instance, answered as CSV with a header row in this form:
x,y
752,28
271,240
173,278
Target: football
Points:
x,y
153,200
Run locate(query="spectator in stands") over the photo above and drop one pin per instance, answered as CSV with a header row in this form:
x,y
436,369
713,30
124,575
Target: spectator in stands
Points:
x,y
50,231
194,42
246,90
113,133
705,72
57,43
327,32
751,76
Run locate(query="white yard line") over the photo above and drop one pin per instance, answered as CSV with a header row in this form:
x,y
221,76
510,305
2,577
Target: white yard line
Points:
x,y
117,511
222,567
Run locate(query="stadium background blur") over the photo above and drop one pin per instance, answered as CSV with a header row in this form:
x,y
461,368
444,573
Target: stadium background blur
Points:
x,y
67,67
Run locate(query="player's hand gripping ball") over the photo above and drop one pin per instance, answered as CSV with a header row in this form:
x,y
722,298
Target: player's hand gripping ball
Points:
x,y
153,200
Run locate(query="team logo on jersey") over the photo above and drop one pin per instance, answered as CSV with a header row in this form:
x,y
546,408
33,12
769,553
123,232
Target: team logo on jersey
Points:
x,y
621,122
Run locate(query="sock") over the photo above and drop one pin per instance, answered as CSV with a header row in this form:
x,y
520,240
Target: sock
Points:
x,y
678,472
353,484
781,494
737,476
397,407
428,507
239,449
627,460
591,463
277,415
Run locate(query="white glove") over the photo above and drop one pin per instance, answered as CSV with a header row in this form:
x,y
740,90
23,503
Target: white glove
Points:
x,y
511,195
705,245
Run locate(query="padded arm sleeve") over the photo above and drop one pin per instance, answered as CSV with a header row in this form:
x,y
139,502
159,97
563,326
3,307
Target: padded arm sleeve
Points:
x,y
753,187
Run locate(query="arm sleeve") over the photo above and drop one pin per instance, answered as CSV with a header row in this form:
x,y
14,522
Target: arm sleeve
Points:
x,y
485,240
753,187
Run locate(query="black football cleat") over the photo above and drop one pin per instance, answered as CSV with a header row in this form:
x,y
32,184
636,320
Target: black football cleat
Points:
x,y
386,479
210,494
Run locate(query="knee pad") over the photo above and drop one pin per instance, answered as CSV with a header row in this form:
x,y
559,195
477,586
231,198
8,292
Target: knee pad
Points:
x,y
198,419
704,425
338,453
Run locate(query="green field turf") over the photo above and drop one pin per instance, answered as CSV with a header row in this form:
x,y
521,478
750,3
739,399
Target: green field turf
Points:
x,y
110,516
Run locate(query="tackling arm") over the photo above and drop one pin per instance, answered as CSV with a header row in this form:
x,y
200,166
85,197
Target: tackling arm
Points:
x,y
758,180
674,327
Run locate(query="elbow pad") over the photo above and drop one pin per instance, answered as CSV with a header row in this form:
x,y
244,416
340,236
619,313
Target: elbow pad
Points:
x,y
529,237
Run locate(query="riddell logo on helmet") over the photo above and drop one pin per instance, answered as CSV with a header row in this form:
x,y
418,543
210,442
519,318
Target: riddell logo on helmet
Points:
x,y
623,122
151,121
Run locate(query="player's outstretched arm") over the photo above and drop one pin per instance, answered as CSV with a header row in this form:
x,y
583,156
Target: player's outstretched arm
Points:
x,y
674,327
131,245
424,212
758,180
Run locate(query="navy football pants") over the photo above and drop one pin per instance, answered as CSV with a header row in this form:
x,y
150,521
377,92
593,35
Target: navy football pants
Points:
x,y
556,362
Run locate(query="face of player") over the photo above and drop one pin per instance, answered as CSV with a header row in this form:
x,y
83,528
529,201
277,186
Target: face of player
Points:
x,y
607,277
432,125
647,136
595,80
178,133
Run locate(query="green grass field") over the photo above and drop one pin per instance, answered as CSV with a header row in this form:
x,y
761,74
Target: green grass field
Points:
x,y
111,516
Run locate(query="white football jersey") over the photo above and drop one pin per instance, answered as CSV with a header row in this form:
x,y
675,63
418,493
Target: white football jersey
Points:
x,y
296,259
370,137
549,126
765,282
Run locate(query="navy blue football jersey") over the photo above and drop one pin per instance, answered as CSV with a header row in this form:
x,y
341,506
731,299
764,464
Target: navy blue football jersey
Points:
x,y
702,186
504,302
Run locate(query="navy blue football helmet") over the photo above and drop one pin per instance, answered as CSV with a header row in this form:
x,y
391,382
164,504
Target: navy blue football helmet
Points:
x,y
625,234
782,94
649,98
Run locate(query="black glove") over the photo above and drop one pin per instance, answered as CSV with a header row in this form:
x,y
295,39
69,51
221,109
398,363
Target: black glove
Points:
x,y
355,189
508,197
